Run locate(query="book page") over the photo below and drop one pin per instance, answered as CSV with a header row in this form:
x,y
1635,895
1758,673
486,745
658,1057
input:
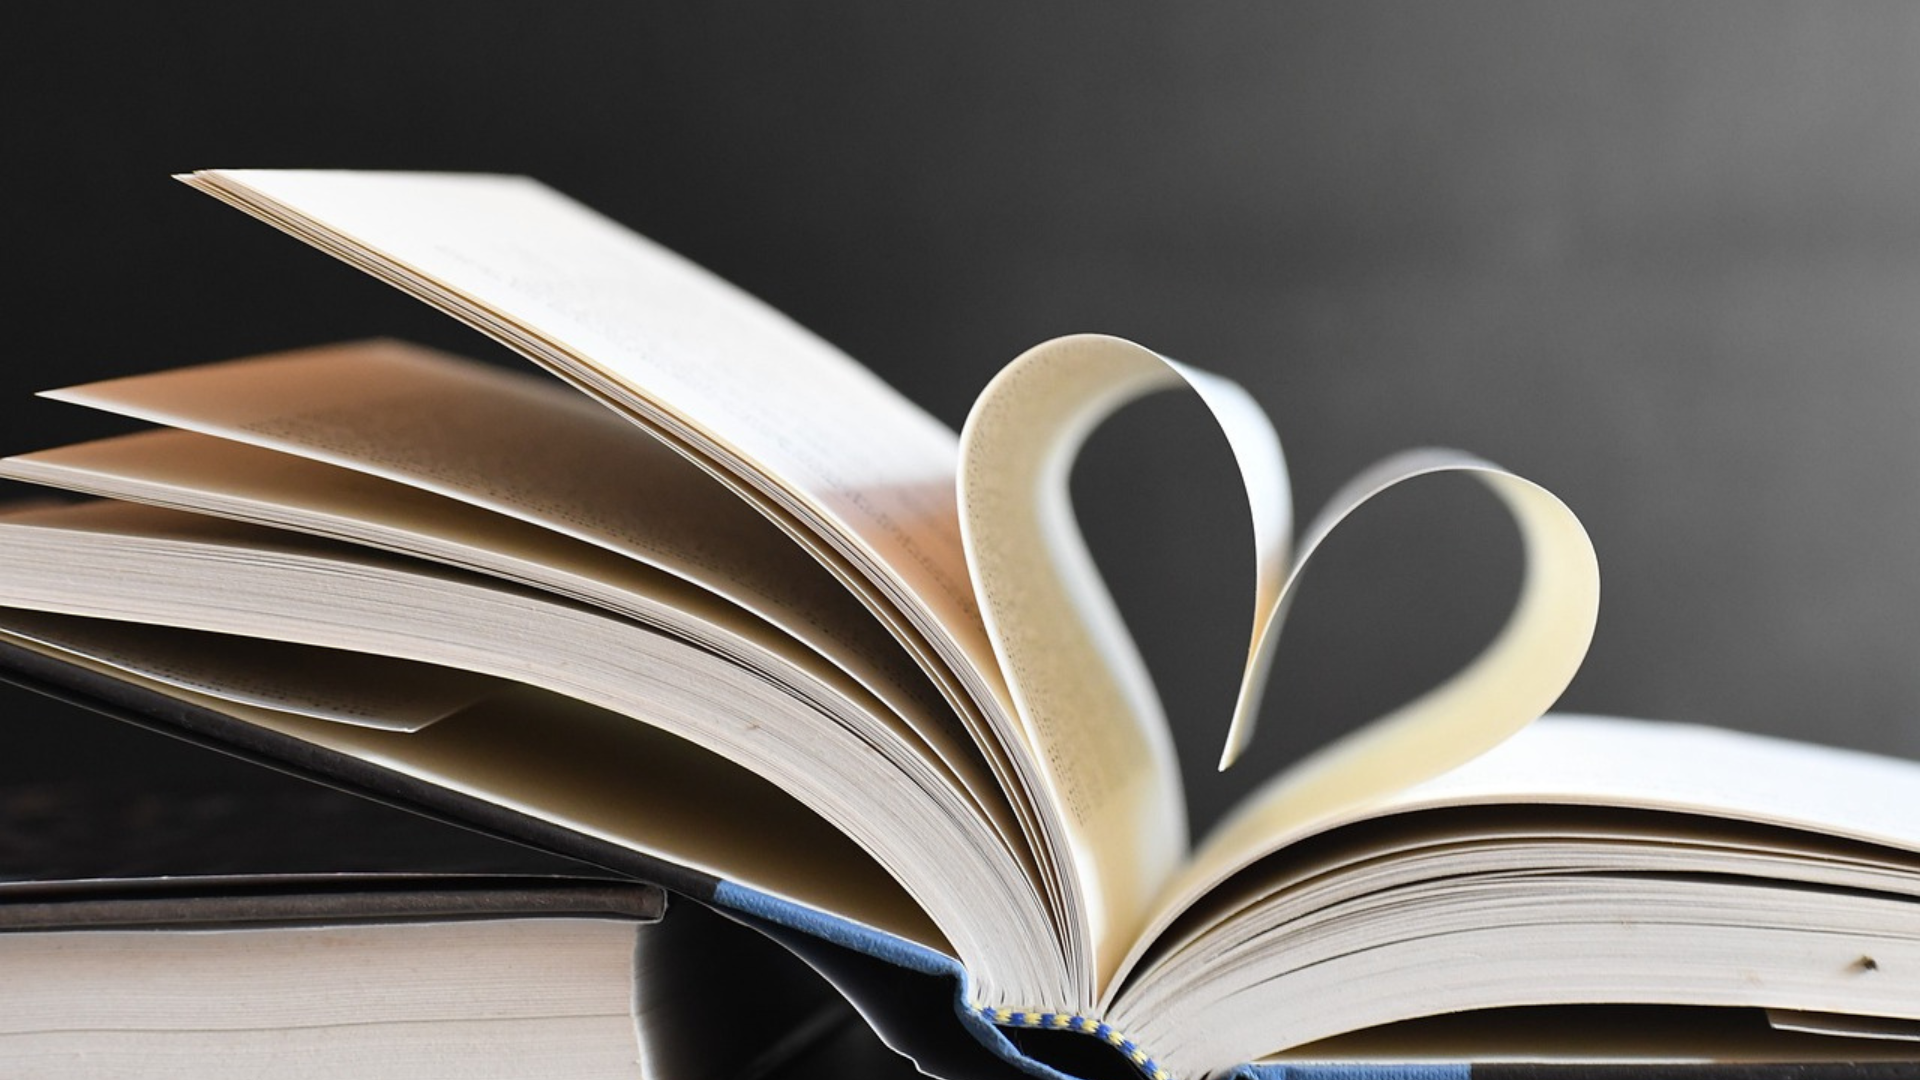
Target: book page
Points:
x,y
1514,680
351,688
515,445
1584,859
1083,693
599,774
1661,765
860,477
186,470
1831,796
713,370
124,561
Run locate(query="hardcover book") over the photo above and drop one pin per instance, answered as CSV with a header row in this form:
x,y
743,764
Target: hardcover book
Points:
x,y
404,976
728,613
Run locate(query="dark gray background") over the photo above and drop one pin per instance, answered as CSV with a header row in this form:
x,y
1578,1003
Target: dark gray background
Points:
x,y
1664,258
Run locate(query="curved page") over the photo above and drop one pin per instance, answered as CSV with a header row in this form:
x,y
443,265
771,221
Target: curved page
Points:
x,y
349,688
122,561
1515,678
718,374
523,447
1083,694
202,473
855,473
566,763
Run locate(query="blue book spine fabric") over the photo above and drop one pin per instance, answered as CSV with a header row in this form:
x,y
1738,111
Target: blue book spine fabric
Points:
x,y
1354,1073
910,995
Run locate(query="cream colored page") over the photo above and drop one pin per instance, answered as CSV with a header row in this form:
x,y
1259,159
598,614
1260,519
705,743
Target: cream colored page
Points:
x,y
706,360
601,774
1083,694
197,472
349,688
524,447
1661,765
1515,678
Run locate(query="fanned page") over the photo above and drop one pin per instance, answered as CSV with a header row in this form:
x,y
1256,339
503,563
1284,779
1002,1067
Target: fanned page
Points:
x,y
1083,693
851,470
763,401
1689,768
854,769
552,758
1085,696
516,445
1584,860
360,689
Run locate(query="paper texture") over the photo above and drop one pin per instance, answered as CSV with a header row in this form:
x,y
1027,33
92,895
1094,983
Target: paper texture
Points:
x,y
1083,694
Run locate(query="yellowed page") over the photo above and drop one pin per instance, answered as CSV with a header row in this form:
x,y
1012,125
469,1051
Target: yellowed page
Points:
x,y
1083,694
1514,680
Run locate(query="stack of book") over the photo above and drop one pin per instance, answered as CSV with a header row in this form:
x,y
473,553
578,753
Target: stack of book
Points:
x,y
851,761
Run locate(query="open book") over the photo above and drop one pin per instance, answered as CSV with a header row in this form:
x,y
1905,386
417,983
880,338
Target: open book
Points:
x,y
737,615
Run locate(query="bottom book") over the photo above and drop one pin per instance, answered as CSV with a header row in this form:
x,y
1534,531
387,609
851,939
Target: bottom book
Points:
x,y
402,976
239,977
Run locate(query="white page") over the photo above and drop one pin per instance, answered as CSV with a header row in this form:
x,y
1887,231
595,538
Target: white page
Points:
x,y
1085,700
517,445
713,366
1660,765
188,471
116,560
853,471
350,688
